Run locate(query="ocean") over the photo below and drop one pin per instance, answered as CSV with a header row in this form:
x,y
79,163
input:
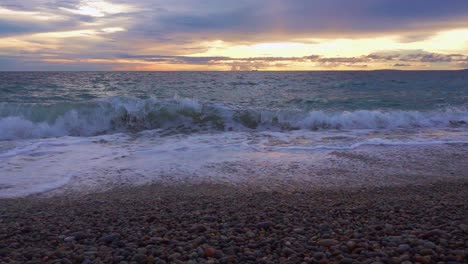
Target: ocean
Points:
x,y
88,130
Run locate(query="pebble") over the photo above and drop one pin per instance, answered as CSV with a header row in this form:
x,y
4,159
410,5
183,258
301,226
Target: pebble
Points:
x,y
69,239
319,255
79,235
185,227
426,252
209,218
464,228
250,234
174,256
208,251
197,228
264,225
139,258
109,238
327,242
351,245
287,251
199,240
404,248
346,261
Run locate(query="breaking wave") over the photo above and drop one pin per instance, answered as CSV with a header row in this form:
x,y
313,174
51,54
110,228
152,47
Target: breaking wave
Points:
x,y
181,115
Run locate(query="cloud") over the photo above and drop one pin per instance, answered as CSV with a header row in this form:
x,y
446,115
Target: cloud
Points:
x,y
57,16
273,19
98,8
417,56
397,58
17,22
246,20
386,59
179,30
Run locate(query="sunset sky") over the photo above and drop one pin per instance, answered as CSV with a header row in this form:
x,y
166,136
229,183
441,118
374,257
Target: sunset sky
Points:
x,y
233,35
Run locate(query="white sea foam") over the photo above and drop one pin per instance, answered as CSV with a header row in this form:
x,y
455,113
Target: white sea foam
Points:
x,y
95,163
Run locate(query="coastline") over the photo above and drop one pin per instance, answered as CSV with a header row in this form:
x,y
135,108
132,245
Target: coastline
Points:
x,y
215,223
363,167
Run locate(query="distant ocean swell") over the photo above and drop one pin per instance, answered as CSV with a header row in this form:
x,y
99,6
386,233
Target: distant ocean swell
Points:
x,y
180,115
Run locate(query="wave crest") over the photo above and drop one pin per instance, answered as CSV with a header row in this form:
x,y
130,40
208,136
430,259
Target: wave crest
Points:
x,y
181,115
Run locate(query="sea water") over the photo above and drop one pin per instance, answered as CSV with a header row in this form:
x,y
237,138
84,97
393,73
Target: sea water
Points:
x,y
94,129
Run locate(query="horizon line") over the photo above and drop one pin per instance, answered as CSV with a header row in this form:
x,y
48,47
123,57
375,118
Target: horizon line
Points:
x,y
403,70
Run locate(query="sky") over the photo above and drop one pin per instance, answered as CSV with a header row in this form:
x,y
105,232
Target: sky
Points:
x,y
191,35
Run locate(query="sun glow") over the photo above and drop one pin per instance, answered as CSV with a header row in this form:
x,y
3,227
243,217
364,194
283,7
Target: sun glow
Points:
x,y
98,8
443,42
323,47
112,29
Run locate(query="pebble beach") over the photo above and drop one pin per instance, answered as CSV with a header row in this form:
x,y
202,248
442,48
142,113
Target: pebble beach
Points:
x,y
260,131
206,223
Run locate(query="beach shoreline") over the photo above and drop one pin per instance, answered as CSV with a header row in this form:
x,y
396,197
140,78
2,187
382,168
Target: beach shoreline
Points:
x,y
366,166
215,223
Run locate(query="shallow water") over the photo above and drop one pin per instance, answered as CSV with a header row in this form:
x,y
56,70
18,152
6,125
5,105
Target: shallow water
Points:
x,y
96,128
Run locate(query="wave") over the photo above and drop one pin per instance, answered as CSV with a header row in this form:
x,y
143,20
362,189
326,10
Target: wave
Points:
x,y
181,115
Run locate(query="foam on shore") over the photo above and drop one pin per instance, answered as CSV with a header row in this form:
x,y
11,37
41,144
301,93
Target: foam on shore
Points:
x,y
269,159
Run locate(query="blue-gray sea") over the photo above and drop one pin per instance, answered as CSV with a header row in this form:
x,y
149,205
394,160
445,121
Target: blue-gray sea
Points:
x,y
56,127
